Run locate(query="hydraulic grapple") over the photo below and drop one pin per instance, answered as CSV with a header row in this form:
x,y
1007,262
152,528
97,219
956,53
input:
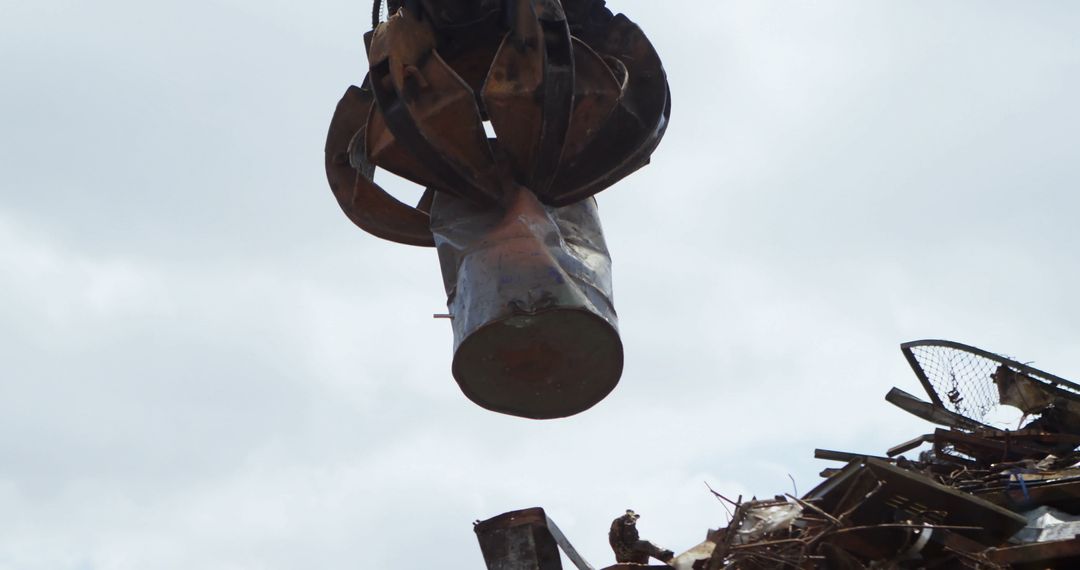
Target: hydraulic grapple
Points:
x,y
577,99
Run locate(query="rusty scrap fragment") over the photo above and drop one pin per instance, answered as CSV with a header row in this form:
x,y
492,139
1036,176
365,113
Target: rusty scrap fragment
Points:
x,y
577,99
975,497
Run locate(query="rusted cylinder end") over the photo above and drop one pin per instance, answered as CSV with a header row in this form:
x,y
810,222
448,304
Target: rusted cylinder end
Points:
x,y
551,364
529,290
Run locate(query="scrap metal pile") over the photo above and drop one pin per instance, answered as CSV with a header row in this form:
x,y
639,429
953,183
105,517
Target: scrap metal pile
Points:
x,y
975,496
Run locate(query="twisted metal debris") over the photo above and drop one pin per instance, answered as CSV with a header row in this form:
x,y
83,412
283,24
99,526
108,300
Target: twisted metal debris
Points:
x,y
978,497
577,99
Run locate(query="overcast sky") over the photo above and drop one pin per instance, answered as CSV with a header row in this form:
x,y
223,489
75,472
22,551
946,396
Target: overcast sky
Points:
x,y
203,364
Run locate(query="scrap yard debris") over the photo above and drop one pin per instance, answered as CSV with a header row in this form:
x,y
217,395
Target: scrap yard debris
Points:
x,y
974,497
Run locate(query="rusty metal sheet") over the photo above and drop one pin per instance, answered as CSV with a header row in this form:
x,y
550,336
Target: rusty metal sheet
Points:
x,y
364,202
598,89
529,292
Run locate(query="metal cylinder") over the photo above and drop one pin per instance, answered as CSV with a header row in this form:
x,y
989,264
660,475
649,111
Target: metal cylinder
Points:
x,y
529,291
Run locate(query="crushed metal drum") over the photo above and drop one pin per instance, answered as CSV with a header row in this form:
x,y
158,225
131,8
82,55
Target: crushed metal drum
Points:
x,y
578,100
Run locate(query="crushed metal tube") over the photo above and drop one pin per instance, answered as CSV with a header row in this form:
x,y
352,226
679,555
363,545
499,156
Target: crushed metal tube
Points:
x,y
977,497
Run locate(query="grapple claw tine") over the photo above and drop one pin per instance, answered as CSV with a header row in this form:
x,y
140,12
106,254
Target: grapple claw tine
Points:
x,y
383,150
578,99
364,202
634,128
529,91
597,92
431,110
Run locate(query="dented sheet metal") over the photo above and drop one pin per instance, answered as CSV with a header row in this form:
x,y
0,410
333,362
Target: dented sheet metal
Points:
x,y
578,99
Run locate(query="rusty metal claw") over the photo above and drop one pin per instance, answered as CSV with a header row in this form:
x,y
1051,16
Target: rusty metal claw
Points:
x,y
635,127
596,94
509,92
364,202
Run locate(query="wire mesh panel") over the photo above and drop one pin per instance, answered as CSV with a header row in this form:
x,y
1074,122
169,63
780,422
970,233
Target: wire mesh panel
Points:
x,y
973,382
